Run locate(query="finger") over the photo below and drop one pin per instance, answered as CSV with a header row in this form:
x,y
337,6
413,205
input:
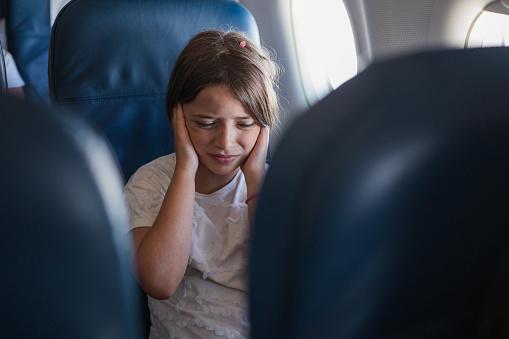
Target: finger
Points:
x,y
176,116
183,130
183,116
259,152
181,119
262,143
264,135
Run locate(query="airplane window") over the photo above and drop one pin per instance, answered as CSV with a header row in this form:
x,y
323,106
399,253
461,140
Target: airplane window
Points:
x,y
491,27
325,45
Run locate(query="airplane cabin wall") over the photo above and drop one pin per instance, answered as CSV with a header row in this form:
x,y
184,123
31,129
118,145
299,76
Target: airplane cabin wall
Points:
x,y
385,28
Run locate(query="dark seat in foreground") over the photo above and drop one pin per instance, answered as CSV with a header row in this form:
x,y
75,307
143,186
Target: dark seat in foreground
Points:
x,y
64,257
391,220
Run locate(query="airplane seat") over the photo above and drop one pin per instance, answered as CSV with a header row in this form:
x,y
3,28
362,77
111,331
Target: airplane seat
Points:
x,y
3,72
391,219
28,30
63,251
110,61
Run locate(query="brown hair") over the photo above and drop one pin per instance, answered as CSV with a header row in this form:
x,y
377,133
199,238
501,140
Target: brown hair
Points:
x,y
222,58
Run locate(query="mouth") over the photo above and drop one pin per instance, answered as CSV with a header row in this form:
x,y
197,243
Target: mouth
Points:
x,y
224,159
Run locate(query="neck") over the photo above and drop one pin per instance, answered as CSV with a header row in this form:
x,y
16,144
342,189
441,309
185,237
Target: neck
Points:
x,y
207,182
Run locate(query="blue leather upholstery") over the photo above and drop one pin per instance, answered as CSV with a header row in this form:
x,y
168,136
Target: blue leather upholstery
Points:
x,y
28,34
390,221
111,60
3,73
63,251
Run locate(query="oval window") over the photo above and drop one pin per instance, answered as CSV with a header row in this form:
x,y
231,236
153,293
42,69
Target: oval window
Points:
x,y
325,45
491,27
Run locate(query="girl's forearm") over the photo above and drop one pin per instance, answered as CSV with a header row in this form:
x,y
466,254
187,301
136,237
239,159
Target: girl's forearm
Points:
x,y
163,255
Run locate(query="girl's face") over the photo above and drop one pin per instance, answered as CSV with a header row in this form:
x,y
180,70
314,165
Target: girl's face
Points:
x,y
222,132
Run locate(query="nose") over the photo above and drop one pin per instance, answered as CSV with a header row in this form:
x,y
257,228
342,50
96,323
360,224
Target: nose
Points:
x,y
225,137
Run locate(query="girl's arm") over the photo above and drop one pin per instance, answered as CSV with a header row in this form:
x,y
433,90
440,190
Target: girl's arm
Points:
x,y
162,251
254,170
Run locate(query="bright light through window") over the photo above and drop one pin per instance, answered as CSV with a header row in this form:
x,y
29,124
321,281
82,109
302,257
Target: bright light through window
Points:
x,y
55,7
325,45
491,29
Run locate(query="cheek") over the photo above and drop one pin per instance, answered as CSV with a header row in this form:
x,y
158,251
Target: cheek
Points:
x,y
198,138
249,138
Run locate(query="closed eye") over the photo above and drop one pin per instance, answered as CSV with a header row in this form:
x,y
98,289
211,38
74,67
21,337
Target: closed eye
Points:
x,y
245,125
204,124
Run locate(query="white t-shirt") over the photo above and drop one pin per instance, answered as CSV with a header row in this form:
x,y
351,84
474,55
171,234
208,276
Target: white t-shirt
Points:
x,y
13,77
211,300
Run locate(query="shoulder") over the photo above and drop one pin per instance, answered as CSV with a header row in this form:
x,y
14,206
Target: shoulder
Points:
x,y
155,173
145,190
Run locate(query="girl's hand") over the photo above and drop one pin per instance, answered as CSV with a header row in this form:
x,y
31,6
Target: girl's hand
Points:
x,y
187,159
254,166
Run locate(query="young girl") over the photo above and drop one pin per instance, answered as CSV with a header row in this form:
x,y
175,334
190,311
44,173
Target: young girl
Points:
x,y
191,210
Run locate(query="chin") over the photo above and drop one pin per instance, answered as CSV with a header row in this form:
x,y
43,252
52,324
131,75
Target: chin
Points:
x,y
222,170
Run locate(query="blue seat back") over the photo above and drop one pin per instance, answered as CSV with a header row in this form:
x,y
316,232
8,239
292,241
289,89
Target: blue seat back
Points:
x,y
391,219
111,61
28,34
63,251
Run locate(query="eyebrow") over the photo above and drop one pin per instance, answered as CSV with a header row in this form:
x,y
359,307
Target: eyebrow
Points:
x,y
204,116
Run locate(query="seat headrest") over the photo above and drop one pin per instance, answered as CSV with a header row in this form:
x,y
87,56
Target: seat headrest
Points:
x,y
391,218
28,32
111,61
64,253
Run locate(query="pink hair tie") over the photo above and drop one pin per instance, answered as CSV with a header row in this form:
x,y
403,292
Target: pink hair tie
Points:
x,y
242,44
